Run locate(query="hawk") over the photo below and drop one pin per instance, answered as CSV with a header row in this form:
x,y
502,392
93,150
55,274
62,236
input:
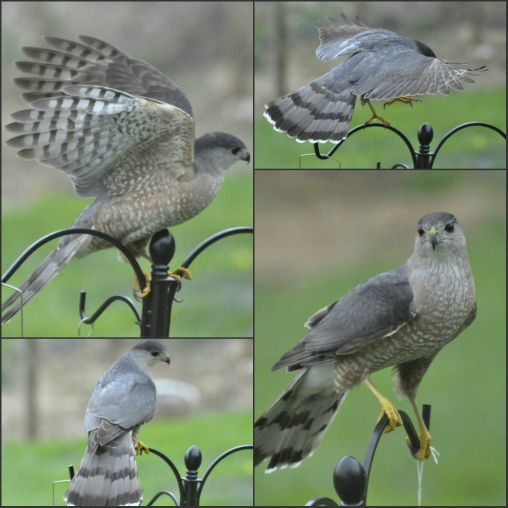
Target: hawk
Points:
x,y
123,133
401,318
123,400
380,65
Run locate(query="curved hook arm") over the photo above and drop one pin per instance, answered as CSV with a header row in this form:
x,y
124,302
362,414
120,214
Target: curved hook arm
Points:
x,y
160,494
72,231
219,459
173,468
212,239
412,434
89,320
351,479
459,128
366,126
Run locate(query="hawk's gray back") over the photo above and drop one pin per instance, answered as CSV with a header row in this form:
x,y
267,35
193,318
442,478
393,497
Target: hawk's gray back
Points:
x,y
123,400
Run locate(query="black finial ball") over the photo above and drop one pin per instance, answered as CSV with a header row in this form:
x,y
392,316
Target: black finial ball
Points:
x,y
162,247
425,134
349,480
193,458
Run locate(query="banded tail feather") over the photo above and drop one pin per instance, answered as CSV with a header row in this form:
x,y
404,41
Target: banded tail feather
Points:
x,y
294,425
313,113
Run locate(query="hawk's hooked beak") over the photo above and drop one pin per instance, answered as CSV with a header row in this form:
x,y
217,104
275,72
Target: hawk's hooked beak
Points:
x,y
433,237
165,358
245,155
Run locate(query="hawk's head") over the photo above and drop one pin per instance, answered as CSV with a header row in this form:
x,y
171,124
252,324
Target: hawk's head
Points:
x,y
218,151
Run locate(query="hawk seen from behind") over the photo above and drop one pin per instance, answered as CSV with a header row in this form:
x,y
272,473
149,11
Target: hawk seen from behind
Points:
x,y
123,400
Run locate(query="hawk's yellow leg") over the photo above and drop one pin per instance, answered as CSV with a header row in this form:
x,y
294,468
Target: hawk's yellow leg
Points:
x,y
375,115
141,448
425,437
387,408
403,99
179,274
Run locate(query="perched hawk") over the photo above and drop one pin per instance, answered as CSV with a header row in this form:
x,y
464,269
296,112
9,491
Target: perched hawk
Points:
x,y
399,319
122,401
380,65
122,132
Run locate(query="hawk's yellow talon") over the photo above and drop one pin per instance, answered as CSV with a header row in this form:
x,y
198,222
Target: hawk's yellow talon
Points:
x,y
403,99
394,418
387,408
178,275
142,294
375,115
424,451
424,436
181,273
141,448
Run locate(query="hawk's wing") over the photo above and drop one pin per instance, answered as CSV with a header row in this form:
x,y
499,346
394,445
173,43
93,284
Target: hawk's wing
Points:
x,y
385,65
371,311
348,38
93,62
397,70
120,404
101,138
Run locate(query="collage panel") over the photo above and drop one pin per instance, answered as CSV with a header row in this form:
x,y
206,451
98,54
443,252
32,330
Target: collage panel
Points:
x,y
371,85
63,389
339,307
116,132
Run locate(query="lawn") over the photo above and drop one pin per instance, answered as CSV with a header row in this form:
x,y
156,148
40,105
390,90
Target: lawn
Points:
x,y
475,147
218,302
30,468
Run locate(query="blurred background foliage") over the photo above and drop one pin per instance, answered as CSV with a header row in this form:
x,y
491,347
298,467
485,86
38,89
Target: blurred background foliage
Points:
x,y
192,43
318,235
204,398
472,32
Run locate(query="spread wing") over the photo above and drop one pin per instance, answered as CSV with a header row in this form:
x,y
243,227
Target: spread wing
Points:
x,y
106,141
385,65
93,62
397,70
370,312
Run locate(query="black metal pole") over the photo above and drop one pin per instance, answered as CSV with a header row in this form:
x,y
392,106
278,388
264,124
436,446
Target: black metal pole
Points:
x,y
191,481
424,155
156,314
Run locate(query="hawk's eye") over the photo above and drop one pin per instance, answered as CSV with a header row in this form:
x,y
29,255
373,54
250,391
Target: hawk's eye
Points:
x,y
155,353
449,228
421,231
235,150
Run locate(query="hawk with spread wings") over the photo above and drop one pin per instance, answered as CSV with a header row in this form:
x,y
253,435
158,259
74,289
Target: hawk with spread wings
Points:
x,y
123,133
380,65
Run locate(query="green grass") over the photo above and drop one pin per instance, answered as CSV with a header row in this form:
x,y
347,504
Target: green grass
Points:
x,y
466,387
218,302
475,147
30,468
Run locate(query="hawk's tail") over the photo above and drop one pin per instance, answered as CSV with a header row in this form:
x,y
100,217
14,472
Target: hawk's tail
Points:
x,y
313,113
43,275
107,476
292,428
